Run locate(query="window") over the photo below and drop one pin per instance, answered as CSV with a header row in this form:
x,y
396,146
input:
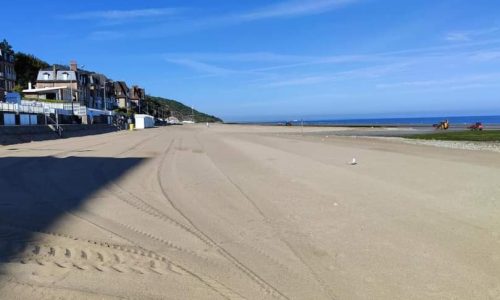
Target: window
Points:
x,y
46,76
65,75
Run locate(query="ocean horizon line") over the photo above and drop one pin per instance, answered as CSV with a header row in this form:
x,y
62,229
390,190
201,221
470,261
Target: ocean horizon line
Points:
x,y
460,119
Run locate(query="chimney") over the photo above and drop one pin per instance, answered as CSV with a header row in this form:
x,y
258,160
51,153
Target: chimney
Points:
x,y
29,85
73,65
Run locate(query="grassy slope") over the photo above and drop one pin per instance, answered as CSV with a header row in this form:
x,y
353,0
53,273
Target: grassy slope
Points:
x,y
184,110
481,136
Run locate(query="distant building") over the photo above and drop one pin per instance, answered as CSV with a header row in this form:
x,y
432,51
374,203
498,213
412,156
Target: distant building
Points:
x,y
79,82
65,83
137,96
102,92
7,72
122,95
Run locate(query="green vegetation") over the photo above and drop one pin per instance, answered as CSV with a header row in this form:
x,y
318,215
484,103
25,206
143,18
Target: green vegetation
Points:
x,y
469,135
5,46
27,67
157,105
124,111
50,100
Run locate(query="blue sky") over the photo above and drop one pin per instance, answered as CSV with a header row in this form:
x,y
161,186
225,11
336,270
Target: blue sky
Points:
x,y
263,60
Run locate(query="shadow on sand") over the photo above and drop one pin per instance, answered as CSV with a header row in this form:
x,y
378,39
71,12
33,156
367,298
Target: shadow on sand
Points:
x,y
35,192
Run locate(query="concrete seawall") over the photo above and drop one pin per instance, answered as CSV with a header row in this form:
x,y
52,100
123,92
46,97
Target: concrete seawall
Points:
x,y
24,134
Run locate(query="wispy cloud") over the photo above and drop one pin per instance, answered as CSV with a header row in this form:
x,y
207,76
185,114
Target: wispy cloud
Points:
x,y
238,56
293,8
469,35
279,61
275,61
369,72
114,15
286,9
457,37
199,66
455,83
204,63
483,56
106,35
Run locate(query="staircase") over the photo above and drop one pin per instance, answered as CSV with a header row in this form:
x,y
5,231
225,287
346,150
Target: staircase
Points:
x,y
54,126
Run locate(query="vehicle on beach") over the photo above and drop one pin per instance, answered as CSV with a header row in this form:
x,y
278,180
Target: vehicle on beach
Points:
x,y
443,125
477,126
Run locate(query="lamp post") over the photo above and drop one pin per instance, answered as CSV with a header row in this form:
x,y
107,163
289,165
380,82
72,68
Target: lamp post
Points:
x,y
71,95
104,95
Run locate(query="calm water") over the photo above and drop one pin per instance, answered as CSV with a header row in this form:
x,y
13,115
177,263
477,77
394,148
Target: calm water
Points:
x,y
457,120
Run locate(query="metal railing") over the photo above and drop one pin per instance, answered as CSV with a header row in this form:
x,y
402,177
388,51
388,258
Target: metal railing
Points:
x,y
62,108
30,109
36,107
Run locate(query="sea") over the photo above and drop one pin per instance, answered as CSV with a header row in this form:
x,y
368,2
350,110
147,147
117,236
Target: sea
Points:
x,y
416,121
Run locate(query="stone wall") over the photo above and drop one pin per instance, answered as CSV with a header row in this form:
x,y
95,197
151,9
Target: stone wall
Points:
x,y
25,134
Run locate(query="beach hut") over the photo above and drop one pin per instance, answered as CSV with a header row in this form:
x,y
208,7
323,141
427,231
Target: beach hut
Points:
x,y
144,121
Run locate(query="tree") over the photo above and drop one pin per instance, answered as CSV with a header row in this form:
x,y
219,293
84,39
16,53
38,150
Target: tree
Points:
x,y
5,46
27,67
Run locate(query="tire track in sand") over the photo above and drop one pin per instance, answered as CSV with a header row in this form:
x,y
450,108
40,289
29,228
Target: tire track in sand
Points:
x,y
267,220
265,286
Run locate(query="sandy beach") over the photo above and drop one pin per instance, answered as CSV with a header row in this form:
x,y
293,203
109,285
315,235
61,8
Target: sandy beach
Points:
x,y
247,212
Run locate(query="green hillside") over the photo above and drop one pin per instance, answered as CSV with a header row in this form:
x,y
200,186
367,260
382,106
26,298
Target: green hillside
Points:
x,y
26,67
177,109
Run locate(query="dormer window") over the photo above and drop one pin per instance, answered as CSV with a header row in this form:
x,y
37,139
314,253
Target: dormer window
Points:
x,y
65,75
46,76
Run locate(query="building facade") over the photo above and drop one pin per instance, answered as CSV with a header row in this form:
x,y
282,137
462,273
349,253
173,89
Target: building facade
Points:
x,y
102,92
7,72
76,80
137,97
122,95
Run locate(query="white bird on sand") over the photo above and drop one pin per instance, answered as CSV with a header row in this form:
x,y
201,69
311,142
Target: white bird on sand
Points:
x,y
353,162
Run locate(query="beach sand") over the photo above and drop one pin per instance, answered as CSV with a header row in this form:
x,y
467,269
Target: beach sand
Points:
x,y
247,212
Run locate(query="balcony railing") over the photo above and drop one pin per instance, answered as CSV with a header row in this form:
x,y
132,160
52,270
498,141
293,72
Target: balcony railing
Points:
x,y
30,109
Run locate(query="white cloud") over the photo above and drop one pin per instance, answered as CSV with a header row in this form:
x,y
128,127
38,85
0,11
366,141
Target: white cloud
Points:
x,y
304,80
483,56
455,83
369,72
281,10
294,8
199,66
238,56
457,37
289,61
122,14
469,35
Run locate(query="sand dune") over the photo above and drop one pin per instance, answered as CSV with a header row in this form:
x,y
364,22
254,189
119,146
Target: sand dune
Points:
x,y
247,212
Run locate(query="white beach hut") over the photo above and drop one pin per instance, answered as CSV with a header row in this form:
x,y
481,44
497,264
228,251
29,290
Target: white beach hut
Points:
x,y
144,121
